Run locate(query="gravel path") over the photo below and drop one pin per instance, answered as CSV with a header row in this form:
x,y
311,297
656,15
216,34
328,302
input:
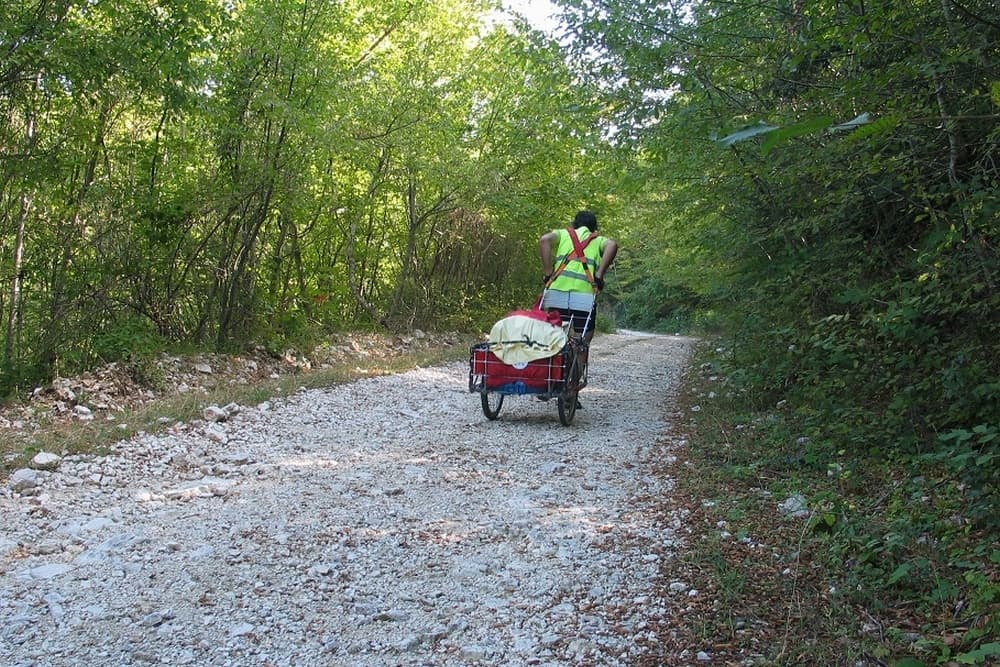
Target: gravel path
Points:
x,y
383,522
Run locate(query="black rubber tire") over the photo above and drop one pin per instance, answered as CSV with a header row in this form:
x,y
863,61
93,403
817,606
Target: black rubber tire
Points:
x,y
567,407
492,402
567,398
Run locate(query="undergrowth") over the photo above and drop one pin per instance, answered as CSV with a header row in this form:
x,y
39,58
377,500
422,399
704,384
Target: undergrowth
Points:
x,y
889,567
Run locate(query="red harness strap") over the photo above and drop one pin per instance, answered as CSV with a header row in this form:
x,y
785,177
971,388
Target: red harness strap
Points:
x,y
578,247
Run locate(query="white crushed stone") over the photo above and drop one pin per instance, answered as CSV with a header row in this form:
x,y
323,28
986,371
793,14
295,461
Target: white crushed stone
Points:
x,y
383,522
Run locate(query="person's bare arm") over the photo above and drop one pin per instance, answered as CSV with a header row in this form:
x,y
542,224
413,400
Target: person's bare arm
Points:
x,y
545,252
608,256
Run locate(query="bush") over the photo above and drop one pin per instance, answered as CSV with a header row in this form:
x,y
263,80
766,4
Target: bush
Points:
x,y
127,337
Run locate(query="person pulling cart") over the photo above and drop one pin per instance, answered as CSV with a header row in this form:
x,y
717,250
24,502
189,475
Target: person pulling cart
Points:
x,y
544,351
574,263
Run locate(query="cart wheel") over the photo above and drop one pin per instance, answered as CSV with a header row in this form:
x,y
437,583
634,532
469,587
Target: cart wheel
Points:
x,y
492,402
567,407
567,399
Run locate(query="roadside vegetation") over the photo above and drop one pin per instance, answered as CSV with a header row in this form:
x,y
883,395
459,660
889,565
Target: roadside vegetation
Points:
x,y
804,560
820,203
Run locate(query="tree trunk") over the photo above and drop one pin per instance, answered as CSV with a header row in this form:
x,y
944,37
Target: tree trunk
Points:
x,y
353,280
16,280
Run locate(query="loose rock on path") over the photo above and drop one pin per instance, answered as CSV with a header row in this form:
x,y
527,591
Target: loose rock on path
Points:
x,y
379,523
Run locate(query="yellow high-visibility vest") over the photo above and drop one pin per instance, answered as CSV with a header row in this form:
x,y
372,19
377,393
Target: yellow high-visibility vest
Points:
x,y
574,278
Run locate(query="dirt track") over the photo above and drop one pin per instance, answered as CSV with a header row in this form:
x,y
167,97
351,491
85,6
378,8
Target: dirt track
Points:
x,y
384,522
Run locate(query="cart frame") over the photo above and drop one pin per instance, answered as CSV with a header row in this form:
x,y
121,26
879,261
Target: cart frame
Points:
x,y
565,374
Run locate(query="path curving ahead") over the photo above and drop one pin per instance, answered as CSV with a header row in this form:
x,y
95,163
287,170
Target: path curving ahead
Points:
x,y
384,522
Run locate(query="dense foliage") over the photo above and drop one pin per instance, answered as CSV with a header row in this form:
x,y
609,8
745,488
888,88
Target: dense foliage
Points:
x,y
825,175
223,174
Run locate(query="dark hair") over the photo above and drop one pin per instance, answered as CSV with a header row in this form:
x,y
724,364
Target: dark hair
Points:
x,y
586,219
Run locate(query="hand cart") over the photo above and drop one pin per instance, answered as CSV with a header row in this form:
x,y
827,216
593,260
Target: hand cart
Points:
x,y
560,376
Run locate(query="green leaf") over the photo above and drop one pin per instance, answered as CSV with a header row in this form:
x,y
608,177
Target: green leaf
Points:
x,y
852,295
995,92
747,133
908,662
898,573
958,435
980,655
792,131
883,125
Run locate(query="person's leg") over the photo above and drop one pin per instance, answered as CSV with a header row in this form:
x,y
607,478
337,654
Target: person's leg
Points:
x,y
588,336
583,327
586,327
591,325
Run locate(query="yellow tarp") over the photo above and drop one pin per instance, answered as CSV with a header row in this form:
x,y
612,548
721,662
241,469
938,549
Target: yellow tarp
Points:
x,y
519,339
